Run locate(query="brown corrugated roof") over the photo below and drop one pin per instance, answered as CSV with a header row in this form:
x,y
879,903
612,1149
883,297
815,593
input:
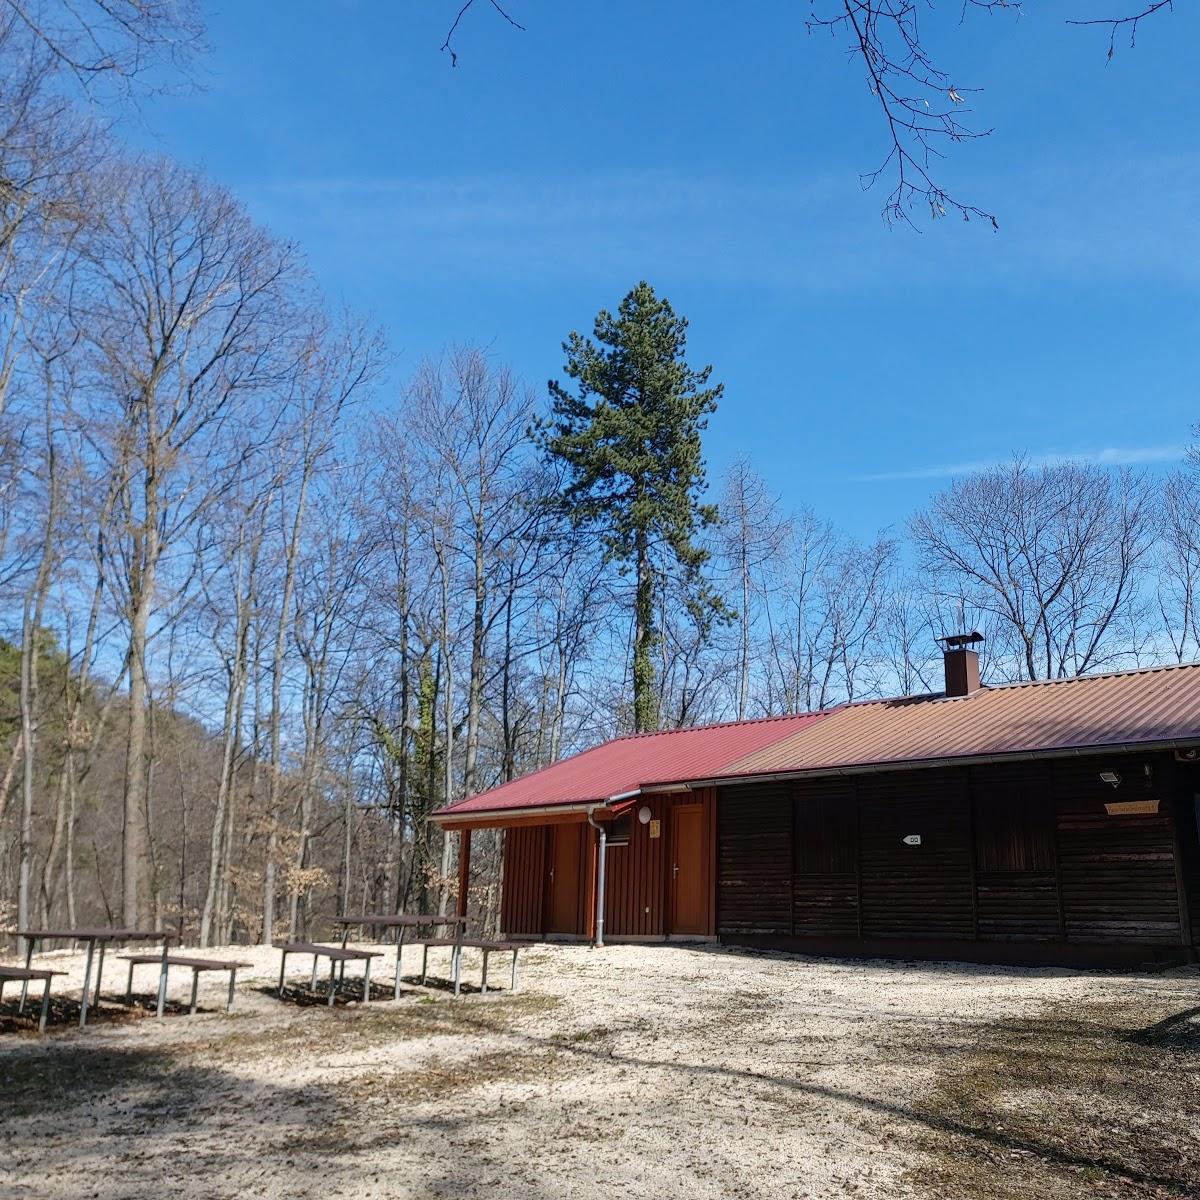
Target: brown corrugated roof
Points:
x,y
1156,706
1159,705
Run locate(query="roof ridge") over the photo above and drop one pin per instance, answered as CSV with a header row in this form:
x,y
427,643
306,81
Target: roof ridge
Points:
x,y
1008,684
796,716
1154,669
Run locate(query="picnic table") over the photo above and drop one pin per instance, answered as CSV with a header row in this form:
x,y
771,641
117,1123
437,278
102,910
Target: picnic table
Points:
x,y
336,955
402,922
93,937
488,946
25,975
197,965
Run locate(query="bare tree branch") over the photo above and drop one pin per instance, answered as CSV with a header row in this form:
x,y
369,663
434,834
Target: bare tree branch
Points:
x,y
1116,24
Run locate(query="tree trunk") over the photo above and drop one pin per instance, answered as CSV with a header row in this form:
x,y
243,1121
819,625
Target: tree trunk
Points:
x,y
645,708
274,733
232,726
134,834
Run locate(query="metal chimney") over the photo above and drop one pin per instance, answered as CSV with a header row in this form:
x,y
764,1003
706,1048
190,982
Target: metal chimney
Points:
x,y
961,662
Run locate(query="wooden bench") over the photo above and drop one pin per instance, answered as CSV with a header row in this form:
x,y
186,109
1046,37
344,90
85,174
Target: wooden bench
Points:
x,y
486,945
335,954
27,975
197,965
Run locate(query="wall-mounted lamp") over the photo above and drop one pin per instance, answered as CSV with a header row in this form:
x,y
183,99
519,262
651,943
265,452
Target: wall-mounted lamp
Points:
x,y
644,814
1111,778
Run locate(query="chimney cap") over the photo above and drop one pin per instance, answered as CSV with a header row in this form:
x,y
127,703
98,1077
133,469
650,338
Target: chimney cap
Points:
x,y
961,641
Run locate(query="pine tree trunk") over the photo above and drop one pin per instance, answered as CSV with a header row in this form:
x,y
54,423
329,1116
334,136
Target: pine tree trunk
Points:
x,y
645,709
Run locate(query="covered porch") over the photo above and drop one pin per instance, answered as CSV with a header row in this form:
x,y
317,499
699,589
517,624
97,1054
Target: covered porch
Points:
x,y
642,868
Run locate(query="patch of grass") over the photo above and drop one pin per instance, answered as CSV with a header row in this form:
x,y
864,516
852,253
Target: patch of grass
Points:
x,y
1099,1101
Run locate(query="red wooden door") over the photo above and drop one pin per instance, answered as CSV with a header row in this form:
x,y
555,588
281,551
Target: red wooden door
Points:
x,y
563,913
689,891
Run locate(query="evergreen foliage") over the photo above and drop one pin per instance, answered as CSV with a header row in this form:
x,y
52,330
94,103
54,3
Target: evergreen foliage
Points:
x,y
629,438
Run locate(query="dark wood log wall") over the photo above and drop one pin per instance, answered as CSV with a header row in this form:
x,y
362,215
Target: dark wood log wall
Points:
x,y
1021,852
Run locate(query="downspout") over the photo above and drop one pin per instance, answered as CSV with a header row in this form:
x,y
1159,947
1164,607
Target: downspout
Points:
x,y
602,855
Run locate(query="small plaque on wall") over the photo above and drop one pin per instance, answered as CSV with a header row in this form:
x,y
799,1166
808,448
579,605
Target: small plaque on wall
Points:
x,y
655,829
1125,808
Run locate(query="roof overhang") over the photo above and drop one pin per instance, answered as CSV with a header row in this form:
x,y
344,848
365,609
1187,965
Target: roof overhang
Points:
x,y
551,814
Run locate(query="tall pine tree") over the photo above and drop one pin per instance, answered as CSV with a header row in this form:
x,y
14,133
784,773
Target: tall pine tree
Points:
x,y
628,435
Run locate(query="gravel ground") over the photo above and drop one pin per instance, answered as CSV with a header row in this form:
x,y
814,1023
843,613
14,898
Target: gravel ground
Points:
x,y
635,1071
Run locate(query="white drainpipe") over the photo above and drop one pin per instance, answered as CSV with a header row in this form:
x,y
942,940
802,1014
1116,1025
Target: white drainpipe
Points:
x,y
600,862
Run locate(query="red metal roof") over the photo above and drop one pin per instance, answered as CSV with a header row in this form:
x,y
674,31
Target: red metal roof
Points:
x,y
1159,705
1129,708
637,761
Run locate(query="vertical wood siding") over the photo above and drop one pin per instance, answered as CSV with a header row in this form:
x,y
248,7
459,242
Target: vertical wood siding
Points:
x,y
638,875
522,893
634,874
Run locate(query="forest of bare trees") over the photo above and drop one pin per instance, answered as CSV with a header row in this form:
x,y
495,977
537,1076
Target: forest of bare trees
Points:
x,y
262,609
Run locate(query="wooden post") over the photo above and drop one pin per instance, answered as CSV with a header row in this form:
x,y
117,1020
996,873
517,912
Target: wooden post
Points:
x,y
464,870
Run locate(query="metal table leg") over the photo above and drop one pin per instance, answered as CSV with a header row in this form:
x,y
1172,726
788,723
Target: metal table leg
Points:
x,y
312,983
514,971
282,969
25,982
483,977
367,982
399,959
424,964
332,976
162,985
99,976
232,980
45,1008
87,983
195,989
129,986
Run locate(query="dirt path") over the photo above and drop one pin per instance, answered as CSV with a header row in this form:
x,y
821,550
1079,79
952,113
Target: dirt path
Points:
x,y
637,1071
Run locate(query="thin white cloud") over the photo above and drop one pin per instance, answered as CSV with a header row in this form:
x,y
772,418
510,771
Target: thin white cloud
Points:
x,y
1109,456
1116,220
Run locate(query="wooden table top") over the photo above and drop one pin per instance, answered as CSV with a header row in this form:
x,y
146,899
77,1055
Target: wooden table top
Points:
x,y
95,935
406,920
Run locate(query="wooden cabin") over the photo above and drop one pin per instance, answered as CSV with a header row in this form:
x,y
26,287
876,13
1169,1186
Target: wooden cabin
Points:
x,y
1049,822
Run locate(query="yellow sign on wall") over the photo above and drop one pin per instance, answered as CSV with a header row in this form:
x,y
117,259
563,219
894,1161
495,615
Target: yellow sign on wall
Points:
x,y
655,829
1123,808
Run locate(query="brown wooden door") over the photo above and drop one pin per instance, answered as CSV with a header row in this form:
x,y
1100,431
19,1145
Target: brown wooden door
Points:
x,y
689,893
563,908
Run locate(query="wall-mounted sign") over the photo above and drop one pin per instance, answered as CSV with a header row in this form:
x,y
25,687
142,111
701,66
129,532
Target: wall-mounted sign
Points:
x,y
655,829
1125,808
912,839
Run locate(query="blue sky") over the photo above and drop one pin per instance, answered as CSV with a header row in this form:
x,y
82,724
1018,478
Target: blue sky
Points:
x,y
715,151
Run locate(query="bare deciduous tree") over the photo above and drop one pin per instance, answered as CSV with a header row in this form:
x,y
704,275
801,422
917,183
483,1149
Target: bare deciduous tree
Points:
x,y
1054,553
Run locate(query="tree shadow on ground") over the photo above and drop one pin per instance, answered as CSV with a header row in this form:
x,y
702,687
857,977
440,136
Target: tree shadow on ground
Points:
x,y
350,991
1179,1031
64,1012
947,968
957,1113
